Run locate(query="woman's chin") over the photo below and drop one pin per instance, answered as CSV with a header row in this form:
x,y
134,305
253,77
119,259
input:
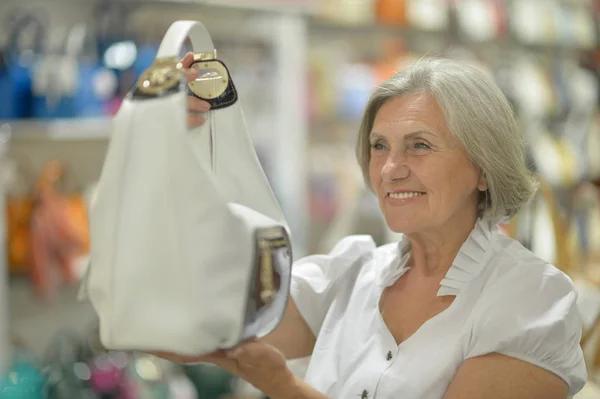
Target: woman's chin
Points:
x,y
403,222
403,227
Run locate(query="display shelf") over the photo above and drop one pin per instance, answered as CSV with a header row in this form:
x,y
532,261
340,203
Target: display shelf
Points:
x,y
287,6
301,6
59,129
324,26
34,322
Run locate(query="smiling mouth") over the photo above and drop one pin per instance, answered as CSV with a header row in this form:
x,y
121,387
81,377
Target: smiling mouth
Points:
x,y
405,195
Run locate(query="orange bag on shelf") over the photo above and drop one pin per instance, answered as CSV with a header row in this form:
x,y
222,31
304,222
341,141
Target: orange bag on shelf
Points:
x,y
18,216
391,12
57,236
46,221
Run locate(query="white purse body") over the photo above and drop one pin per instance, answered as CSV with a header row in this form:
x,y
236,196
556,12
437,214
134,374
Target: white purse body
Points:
x,y
190,251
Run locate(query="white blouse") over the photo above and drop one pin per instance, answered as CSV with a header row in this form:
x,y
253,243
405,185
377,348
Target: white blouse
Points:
x,y
507,301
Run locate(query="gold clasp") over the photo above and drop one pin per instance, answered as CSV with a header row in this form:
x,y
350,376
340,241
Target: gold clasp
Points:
x,y
270,239
163,75
212,55
213,78
267,294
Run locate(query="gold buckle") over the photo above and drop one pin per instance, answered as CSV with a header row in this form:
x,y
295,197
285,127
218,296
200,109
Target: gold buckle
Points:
x,y
213,78
205,56
164,74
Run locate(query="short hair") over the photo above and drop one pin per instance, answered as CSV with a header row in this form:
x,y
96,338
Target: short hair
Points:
x,y
478,114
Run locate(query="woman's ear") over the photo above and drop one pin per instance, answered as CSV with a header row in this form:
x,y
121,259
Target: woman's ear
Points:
x,y
482,185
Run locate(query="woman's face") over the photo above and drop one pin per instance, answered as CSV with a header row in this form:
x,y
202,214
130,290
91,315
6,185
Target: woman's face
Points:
x,y
422,176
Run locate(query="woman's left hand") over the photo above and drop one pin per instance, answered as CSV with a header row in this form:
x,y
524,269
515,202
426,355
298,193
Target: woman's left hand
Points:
x,y
258,363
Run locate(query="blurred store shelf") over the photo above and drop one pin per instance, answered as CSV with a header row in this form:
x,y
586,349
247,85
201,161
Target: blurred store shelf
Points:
x,y
320,26
296,6
58,129
303,6
33,321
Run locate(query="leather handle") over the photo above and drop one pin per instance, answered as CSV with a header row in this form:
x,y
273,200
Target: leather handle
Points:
x,y
171,44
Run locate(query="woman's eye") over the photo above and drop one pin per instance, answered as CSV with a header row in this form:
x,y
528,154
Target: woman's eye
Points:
x,y
377,147
419,145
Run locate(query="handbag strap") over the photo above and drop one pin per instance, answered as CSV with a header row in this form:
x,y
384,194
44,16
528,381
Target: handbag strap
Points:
x,y
178,32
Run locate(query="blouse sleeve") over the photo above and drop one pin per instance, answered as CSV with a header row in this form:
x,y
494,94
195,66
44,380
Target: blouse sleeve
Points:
x,y
532,315
317,278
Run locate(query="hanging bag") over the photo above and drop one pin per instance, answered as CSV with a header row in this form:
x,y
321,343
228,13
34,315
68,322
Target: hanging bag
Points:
x,y
190,251
16,69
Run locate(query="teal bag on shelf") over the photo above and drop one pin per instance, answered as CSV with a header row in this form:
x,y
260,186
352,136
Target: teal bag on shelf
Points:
x,y
24,380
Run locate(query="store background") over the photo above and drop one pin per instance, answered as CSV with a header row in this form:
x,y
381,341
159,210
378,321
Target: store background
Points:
x,y
304,69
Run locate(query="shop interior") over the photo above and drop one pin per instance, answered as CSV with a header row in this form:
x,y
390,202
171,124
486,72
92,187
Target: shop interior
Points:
x,y
304,70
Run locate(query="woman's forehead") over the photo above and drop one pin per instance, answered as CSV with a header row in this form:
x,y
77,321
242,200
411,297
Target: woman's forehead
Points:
x,y
416,113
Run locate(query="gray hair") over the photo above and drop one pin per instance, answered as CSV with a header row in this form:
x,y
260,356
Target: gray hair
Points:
x,y
479,116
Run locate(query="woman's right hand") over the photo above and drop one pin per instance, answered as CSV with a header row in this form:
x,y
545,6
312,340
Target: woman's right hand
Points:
x,y
254,361
196,107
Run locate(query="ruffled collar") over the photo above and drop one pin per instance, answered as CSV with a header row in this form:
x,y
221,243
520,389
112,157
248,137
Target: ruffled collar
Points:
x,y
468,263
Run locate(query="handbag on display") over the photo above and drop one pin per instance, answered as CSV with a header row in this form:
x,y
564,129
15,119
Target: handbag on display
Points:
x,y
349,12
71,82
481,20
64,215
16,69
57,233
428,15
584,25
190,251
391,12
531,22
24,378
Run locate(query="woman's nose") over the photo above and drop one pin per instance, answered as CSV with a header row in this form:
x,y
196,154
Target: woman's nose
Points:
x,y
394,169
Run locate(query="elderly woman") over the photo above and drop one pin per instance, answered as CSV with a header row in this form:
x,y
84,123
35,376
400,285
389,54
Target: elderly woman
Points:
x,y
455,309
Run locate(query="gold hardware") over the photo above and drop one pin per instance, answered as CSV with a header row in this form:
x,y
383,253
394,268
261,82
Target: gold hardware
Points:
x,y
267,294
273,233
212,80
205,56
164,74
269,240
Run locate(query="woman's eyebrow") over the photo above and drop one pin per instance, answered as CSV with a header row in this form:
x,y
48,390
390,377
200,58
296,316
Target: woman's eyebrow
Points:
x,y
375,135
418,133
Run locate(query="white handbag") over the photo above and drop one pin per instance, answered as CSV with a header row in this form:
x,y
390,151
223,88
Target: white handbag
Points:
x,y
190,251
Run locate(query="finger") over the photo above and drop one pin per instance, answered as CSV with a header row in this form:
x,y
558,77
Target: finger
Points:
x,y
191,74
195,104
187,60
194,120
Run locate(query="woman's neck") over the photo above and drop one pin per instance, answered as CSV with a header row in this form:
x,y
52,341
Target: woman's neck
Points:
x,y
433,252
